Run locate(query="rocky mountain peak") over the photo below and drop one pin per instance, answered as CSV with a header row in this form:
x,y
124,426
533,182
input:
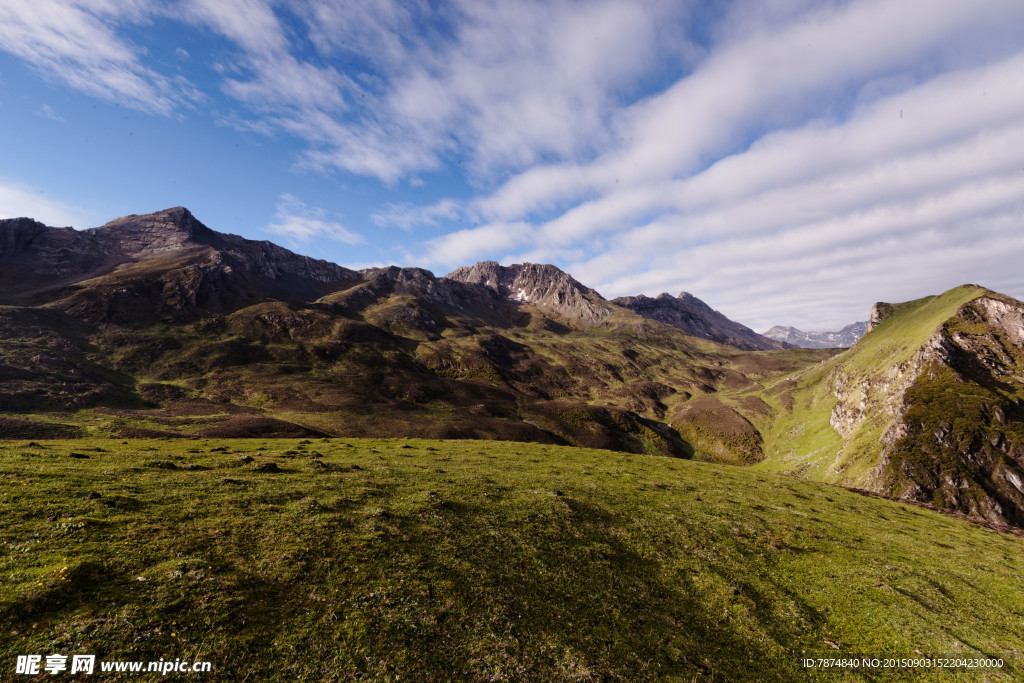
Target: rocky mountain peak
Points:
x,y
172,229
140,237
542,285
487,273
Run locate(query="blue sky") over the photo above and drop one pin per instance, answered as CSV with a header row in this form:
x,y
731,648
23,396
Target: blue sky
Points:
x,y
787,161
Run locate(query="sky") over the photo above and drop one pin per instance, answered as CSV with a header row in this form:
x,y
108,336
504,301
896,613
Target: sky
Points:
x,y
787,161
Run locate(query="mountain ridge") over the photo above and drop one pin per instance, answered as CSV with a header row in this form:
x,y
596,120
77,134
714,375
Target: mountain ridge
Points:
x,y
186,265
222,267
691,315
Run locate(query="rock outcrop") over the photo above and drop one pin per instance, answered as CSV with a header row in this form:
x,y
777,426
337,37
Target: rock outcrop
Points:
x,y
880,312
694,317
34,255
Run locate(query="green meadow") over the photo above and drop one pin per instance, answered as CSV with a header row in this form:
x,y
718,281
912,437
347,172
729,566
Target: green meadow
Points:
x,y
345,559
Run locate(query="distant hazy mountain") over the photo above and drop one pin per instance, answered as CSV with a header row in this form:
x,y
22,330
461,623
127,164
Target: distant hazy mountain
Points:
x,y
844,338
691,315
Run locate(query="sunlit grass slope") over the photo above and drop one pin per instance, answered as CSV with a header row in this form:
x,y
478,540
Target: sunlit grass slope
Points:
x,y
440,560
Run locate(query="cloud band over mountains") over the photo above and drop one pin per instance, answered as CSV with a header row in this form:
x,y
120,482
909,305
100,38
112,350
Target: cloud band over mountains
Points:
x,y
788,161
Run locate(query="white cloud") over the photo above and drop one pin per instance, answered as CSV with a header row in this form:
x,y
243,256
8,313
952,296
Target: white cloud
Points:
x,y
75,43
775,77
461,247
47,112
408,216
20,201
284,84
366,27
251,24
301,223
511,84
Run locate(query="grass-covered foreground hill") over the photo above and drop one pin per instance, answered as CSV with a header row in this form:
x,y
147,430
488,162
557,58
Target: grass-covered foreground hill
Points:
x,y
342,559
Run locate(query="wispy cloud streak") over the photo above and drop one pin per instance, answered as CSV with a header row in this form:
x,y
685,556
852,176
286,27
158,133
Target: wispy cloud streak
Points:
x,y
77,43
301,224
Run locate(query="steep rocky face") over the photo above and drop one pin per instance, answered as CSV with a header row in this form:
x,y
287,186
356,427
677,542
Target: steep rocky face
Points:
x,y
540,285
691,315
842,339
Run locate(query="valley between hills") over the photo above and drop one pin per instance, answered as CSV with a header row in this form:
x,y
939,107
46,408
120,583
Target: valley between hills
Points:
x,y
497,472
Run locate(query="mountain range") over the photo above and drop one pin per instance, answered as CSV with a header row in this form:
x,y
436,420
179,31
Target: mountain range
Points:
x,y
844,338
156,325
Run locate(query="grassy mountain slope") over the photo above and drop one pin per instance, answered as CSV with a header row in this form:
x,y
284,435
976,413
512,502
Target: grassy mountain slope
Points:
x,y
334,559
804,442
928,406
